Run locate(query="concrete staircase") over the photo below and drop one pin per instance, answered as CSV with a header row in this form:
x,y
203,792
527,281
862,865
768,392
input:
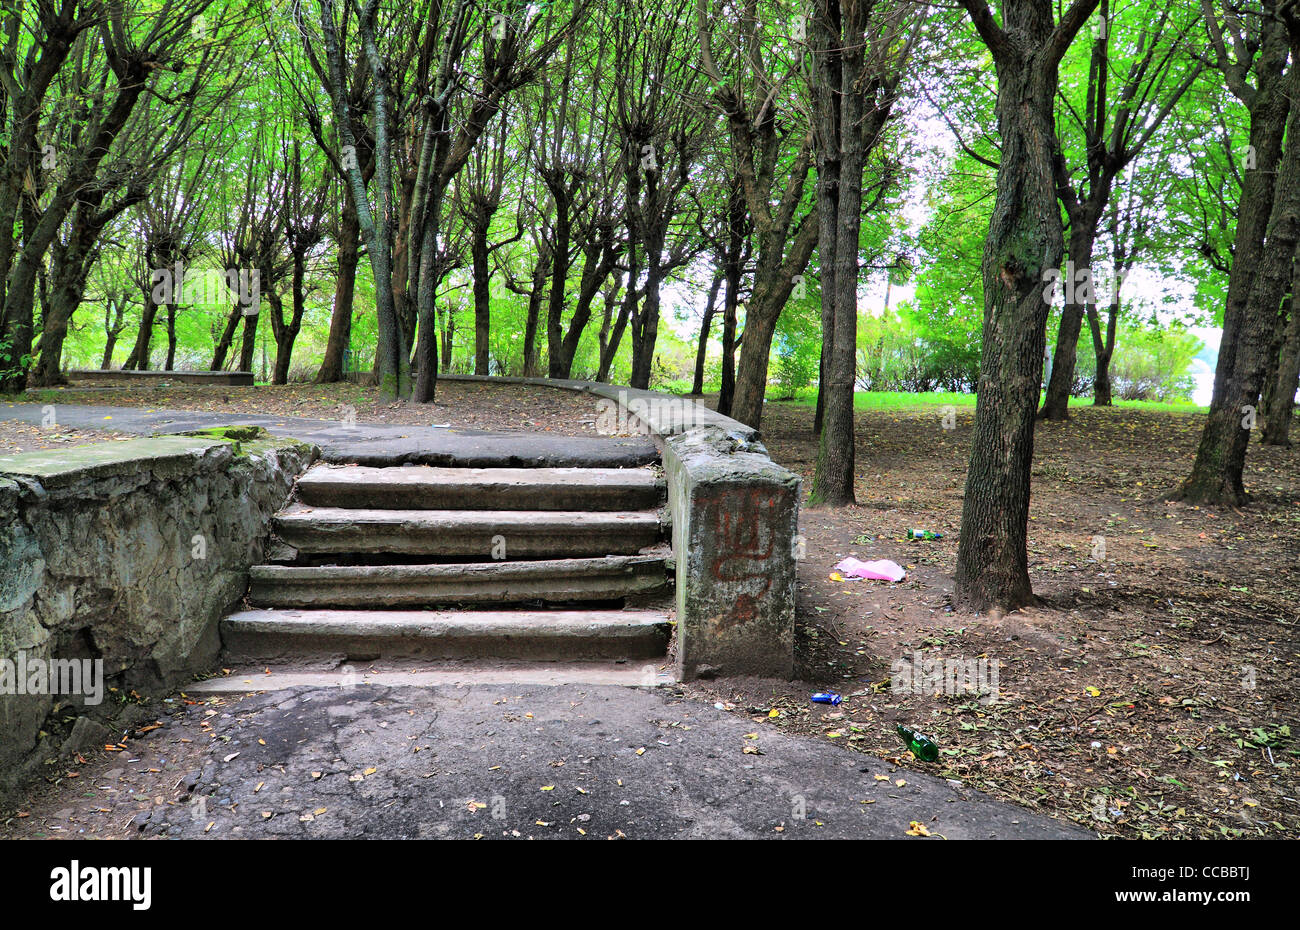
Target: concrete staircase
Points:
x,y
414,562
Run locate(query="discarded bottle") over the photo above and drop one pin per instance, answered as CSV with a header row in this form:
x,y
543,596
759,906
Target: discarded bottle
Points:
x,y
921,746
826,697
923,534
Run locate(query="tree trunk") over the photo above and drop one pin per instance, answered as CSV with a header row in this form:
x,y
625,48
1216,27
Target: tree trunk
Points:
x,y
227,338
1262,253
774,280
482,293
645,328
332,367
138,360
287,333
1286,379
536,296
249,343
697,385
839,200
1025,242
426,377
1078,296
1104,348
733,269
448,337
171,338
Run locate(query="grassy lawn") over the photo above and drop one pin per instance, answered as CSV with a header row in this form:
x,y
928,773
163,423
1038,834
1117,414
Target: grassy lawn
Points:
x,y
903,400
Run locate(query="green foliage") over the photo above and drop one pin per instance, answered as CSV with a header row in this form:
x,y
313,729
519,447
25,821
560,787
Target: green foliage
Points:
x,y
1149,364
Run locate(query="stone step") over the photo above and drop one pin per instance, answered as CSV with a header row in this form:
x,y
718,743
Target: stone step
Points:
x,y
366,635
422,487
475,534
320,672
380,586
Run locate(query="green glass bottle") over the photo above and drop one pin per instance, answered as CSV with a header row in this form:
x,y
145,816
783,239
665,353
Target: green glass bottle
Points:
x,y
921,746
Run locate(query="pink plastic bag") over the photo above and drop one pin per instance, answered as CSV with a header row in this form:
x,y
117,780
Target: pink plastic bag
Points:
x,y
883,570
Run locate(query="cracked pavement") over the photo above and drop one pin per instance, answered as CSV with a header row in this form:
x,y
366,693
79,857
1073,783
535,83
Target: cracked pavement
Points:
x,y
493,761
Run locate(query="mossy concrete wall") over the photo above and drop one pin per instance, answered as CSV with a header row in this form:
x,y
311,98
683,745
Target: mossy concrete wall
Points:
x,y
129,552
735,517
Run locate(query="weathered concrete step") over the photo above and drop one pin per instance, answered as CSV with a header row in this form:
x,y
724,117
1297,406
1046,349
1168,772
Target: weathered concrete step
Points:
x,y
326,673
422,487
478,534
377,586
365,635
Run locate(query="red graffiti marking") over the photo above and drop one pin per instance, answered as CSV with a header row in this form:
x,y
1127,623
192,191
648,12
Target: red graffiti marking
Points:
x,y
744,520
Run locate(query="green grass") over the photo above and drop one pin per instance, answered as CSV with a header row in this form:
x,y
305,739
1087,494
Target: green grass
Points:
x,y
902,400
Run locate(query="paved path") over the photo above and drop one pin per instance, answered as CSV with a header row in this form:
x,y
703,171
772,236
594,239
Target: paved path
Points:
x,y
535,761
369,443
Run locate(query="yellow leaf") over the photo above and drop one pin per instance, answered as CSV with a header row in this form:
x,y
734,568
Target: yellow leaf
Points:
x,y
773,713
548,787
916,828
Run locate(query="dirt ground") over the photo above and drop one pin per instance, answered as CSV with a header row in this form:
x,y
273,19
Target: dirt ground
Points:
x,y
463,404
1153,692
18,437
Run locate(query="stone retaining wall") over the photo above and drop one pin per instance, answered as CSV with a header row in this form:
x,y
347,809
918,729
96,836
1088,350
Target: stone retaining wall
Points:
x,y
226,378
129,552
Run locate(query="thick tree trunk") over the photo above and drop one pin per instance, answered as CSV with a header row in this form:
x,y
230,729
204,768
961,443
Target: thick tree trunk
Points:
x,y
839,200
1025,242
1262,253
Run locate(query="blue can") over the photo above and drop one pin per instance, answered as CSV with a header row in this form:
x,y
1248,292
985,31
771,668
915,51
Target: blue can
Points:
x,y
826,697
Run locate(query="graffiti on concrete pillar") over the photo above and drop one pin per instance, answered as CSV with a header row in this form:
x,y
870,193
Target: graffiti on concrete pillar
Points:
x,y
743,522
